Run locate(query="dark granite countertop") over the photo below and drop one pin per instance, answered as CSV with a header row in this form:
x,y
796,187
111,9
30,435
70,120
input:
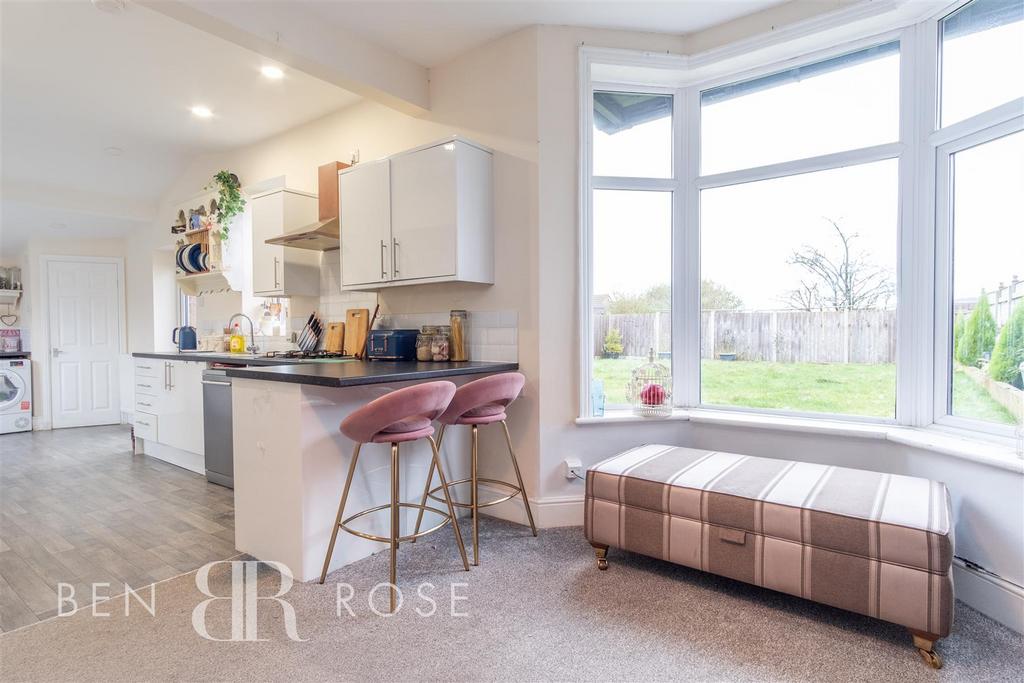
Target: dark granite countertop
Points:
x,y
218,357
14,354
358,373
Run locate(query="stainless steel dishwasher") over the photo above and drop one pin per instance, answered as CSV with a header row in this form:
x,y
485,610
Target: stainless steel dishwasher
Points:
x,y
220,465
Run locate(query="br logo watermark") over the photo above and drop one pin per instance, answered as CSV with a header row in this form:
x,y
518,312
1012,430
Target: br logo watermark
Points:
x,y
244,600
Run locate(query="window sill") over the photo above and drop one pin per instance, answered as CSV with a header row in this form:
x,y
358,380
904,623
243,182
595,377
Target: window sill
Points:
x,y
992,451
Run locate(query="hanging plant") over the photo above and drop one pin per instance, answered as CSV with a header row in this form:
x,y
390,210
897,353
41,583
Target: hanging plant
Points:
x,y
230,202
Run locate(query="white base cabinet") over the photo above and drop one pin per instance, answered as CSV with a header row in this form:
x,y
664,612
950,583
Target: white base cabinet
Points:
x,y
169,410
426,215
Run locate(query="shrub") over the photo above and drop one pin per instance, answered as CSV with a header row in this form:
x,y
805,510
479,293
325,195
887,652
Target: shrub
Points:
x,y
958,333
1009,350
979,334
613,342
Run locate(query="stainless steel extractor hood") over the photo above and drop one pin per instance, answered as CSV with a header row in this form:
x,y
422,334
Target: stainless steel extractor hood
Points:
x,y
325,234
319,236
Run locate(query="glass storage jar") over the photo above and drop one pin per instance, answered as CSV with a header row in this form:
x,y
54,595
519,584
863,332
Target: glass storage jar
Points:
x,y
458,341
439,347
424,341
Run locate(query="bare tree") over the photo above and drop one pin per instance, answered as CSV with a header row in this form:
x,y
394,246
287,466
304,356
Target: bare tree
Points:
x,y
840,281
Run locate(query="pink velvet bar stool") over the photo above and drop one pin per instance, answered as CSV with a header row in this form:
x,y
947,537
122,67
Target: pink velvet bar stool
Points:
x,y
478,403
399,417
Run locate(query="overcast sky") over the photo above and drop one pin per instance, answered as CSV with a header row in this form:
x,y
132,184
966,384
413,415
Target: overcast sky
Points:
x,y
748,231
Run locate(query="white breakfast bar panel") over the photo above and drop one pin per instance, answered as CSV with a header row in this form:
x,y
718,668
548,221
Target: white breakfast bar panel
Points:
x,y
290,465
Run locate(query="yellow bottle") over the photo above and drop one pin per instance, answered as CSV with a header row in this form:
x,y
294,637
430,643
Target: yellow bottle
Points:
x,y
237,343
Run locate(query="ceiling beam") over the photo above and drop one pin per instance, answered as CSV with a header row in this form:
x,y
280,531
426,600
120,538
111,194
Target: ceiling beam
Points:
x,y
291,35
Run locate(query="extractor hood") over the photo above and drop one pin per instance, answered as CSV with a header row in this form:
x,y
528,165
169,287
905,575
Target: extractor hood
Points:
x,y
325,234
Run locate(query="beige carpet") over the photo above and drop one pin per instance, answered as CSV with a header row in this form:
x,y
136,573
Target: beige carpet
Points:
x,y
538,609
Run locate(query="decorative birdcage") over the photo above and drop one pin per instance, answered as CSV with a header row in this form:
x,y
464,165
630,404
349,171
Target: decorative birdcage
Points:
x,y
650,389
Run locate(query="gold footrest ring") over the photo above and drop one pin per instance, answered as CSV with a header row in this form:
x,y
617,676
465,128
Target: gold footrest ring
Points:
x,y
494,482
401,539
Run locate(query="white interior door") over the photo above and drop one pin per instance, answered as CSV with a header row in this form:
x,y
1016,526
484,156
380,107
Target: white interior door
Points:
x,y
85,317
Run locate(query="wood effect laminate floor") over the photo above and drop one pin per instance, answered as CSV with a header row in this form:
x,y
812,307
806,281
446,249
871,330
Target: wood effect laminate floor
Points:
x,y
77,507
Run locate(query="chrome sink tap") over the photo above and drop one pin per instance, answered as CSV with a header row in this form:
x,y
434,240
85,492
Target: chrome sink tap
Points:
x,y
252,348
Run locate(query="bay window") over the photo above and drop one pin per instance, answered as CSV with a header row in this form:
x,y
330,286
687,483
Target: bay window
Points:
x,y
838,235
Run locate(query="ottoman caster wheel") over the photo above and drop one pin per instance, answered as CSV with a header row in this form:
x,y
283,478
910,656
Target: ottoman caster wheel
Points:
x,y
602,556
925,644
931,658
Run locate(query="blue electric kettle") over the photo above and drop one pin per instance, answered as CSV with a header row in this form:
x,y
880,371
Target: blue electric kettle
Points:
x,y
185,338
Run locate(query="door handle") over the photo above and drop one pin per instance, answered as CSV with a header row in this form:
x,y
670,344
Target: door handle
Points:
x,y
383,248
219,384
276,285
394,255
55,352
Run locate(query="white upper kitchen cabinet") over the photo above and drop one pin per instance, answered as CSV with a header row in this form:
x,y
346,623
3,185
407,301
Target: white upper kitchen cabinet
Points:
x,y
278,270
365,214
418,217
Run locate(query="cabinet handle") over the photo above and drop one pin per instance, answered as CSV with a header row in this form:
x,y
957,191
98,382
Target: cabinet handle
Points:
x,y
170,375
145,386
394,255
383,273
143,403
276,285
167,382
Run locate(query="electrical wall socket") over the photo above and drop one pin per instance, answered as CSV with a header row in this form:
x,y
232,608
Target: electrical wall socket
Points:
x,y
572,468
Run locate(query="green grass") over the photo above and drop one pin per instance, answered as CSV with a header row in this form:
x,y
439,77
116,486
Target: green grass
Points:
x,y
867,390
971,400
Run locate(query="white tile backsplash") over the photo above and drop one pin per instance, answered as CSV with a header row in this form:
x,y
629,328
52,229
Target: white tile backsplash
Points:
x,y
491,335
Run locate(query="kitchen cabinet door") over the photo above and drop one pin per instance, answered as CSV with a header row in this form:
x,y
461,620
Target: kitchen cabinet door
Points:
x,y
365,197
267,211
424,213
278,270
180,419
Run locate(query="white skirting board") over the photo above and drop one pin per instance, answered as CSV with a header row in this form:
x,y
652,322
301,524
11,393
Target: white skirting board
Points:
x,y
990,595
174,456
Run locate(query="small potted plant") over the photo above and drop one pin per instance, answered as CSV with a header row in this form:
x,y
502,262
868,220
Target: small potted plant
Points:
x,y
229,201
613,343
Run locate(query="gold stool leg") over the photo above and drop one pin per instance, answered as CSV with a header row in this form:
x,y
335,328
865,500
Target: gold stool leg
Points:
x,y
448,500
341,510
426,489
519,478
395,525
475,495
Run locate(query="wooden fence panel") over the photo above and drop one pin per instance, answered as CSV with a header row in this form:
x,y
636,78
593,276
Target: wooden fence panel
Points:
x,y
784,336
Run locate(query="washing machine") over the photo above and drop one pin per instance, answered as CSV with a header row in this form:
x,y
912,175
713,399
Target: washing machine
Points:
x,y
15,395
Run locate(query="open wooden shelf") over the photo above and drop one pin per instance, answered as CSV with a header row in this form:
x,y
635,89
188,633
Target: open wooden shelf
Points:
x,y
211,281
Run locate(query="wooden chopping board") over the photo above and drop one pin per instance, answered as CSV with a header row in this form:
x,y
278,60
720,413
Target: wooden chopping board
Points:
x,y
357,323
335,338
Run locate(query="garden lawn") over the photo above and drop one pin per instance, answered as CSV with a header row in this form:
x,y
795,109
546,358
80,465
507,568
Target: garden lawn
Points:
x,y
971,400
867,390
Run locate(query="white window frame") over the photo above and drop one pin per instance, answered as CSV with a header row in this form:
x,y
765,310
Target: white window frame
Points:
x,y
923,266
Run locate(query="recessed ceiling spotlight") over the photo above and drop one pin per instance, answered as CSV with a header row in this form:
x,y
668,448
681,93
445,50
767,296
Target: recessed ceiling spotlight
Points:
x,y
113,151
201,111
110,6
272,72
58,226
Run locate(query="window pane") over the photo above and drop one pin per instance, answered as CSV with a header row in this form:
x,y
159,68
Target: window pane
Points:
x,y
982,58
632,304
840,104
988,297
798,292
632,135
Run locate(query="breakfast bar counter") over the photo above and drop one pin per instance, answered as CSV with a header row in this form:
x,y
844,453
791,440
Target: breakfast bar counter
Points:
x,y
339,374
290,458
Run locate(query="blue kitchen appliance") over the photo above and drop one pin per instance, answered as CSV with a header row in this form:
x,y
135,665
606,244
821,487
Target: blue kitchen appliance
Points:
x,y
185,338
391,345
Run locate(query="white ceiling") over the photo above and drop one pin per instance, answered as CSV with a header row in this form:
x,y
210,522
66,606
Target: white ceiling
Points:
x,y
432,32
76,81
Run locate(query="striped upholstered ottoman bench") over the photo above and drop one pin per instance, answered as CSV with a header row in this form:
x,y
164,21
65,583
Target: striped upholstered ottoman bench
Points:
x,y
872,543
